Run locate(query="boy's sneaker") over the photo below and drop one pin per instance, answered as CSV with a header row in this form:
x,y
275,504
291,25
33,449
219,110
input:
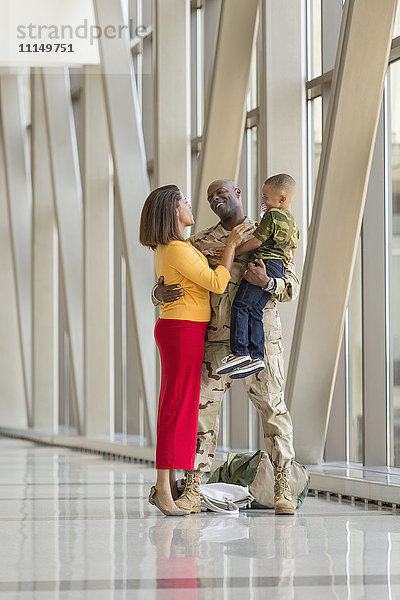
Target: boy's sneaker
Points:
x,y
231,363
251,368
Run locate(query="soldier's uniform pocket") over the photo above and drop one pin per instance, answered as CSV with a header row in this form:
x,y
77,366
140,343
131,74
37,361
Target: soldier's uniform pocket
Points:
x,y
274,364
273,346
273,355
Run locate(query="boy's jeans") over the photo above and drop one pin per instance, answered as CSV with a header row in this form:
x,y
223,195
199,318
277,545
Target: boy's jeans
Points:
x,y
247,332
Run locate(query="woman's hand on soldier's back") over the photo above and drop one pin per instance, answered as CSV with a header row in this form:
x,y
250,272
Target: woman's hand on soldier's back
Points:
x,y
168,293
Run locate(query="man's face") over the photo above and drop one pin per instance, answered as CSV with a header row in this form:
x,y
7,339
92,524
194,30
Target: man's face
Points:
x,y
224,198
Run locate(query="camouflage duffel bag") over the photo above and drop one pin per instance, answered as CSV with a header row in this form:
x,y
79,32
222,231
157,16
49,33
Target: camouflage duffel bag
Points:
x,y
254,469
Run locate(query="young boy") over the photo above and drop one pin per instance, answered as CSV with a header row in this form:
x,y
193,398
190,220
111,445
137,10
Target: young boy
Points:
x,y
274,241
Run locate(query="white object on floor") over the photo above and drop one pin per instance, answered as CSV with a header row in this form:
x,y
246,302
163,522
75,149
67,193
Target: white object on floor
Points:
x,y
225,498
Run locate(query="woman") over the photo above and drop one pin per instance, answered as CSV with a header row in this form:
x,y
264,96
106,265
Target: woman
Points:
x,y
180,330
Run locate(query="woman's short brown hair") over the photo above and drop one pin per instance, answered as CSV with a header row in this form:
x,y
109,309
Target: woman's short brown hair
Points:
x,y
158,222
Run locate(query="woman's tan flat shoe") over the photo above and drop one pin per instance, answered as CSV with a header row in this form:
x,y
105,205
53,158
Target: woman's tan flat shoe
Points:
x,y
169,513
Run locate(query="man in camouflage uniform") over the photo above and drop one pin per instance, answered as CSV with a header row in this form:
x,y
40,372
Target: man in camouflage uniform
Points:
x,y
265,389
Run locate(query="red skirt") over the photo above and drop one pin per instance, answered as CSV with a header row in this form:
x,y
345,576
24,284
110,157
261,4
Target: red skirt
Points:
x,y
181,347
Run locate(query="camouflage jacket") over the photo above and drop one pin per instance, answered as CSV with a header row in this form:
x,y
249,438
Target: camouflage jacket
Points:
x,y
218,330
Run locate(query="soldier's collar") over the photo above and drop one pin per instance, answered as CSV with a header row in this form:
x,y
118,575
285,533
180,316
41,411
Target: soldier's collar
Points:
x,y
245,220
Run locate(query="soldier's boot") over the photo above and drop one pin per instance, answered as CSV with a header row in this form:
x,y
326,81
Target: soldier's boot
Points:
x,y
283,501
190,499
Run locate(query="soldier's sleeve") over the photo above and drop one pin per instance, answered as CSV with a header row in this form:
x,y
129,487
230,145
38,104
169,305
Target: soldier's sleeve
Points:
x,y
154,299
288,287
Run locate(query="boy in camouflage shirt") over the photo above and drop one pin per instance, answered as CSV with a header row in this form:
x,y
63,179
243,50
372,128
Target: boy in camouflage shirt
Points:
x,y
273,242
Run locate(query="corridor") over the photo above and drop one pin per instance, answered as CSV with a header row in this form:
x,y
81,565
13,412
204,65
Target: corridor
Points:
x,y
76,526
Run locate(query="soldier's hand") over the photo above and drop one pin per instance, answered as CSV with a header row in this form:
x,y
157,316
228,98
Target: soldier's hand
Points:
x,y
168,293
256,273
219,252
238,234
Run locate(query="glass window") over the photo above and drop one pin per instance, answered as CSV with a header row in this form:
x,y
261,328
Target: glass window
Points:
x,y
396,31
395,252
197,82
354,364
251,140
314,39
252,96
139,58
314,118
252,192
66,417
199,70
125,11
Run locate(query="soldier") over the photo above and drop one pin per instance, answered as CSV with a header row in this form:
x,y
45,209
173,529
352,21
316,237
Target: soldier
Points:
x,y
265,389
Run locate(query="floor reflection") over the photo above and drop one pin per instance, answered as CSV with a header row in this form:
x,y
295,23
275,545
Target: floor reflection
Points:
x,y
77,526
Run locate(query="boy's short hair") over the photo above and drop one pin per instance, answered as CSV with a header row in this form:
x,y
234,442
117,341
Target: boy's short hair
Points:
x,y
281,182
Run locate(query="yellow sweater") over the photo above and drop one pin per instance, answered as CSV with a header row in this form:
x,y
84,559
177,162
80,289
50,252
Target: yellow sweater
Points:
x,y
180,262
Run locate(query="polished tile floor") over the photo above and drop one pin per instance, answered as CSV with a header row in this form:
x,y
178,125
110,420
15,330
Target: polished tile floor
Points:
x,y
77,526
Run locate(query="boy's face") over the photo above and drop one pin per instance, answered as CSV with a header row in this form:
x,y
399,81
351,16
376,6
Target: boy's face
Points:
x,y
273,199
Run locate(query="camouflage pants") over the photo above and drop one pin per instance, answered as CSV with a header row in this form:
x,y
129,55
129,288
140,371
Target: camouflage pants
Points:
x,y
265,390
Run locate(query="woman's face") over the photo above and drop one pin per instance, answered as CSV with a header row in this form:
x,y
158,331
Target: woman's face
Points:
x,y
185,215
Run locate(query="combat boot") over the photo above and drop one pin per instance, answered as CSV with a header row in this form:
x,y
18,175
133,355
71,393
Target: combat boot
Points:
x,y
190,499
283,501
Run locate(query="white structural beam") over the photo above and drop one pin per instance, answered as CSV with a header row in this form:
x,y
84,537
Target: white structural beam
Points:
x,y
99,260
361,63
12,389
172,157
226,101
18,185
283,133
67,192
45,279
132,185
